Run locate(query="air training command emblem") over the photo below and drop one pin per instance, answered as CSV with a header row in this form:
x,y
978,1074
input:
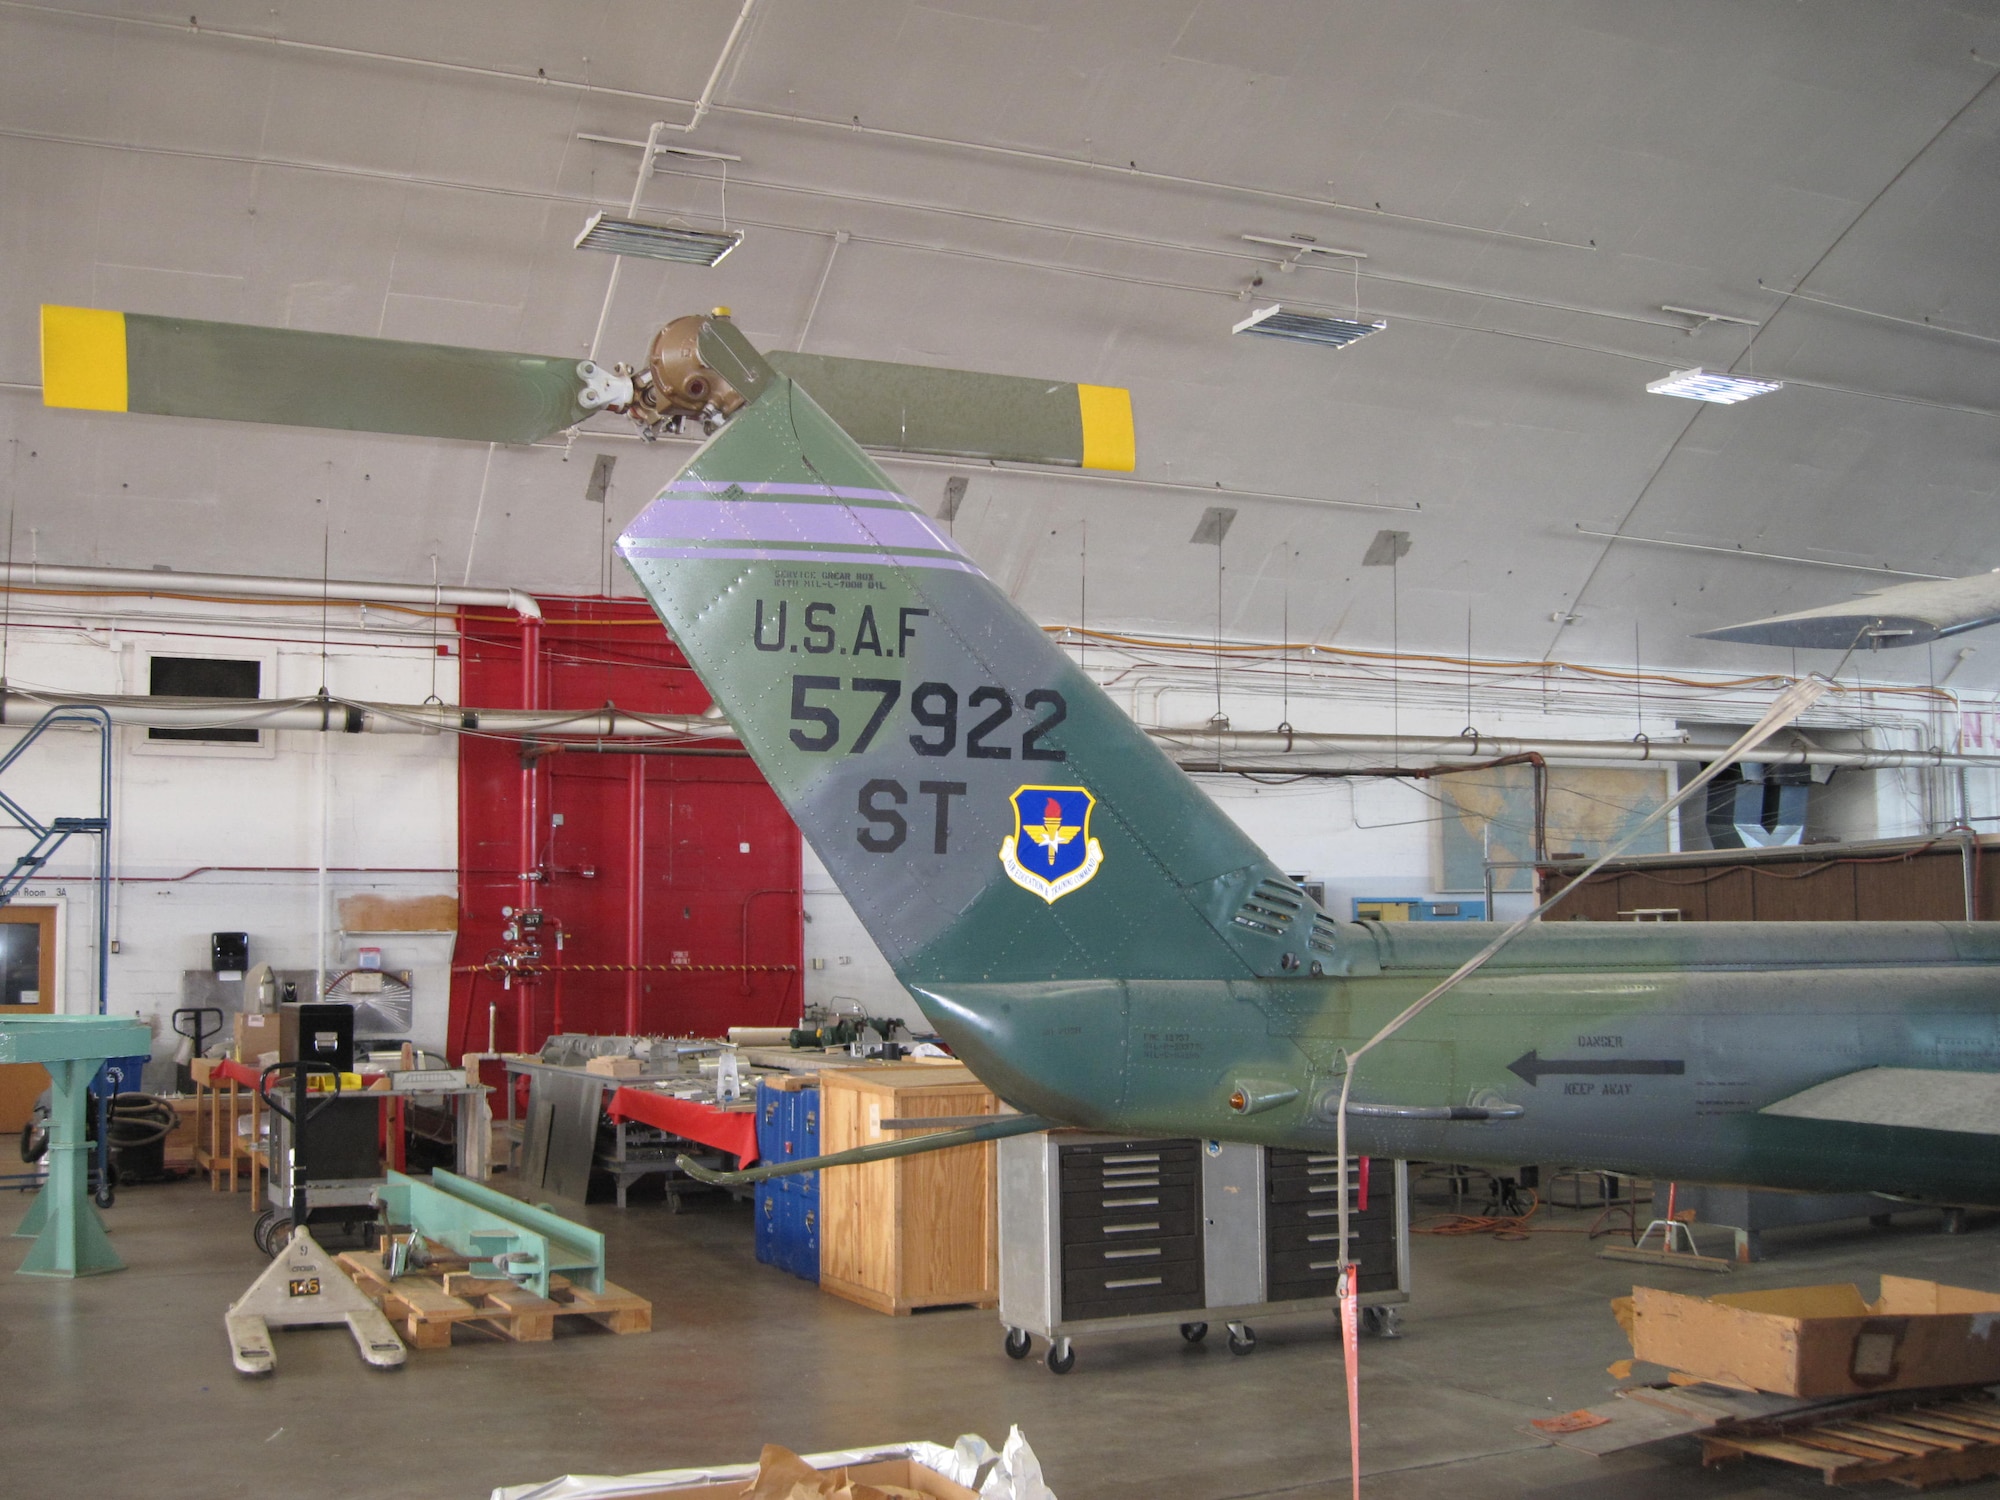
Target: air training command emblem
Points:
x,y
1051,853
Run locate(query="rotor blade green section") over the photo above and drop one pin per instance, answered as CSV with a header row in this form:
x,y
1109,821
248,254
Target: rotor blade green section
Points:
x,y
960,414
179,367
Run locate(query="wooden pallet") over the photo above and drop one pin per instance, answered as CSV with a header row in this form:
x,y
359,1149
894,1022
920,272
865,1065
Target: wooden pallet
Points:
x,y
1915,1441
426,1305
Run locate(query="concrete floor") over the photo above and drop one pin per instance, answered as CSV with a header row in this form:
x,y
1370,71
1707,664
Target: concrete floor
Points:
x,y
123,1382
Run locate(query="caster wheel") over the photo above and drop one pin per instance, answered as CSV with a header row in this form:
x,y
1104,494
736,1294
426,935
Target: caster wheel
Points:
x,y
1061,1357
104,1197
1383,1322
1017,1343
260,1229
1194,1333
1242,1339
277,1234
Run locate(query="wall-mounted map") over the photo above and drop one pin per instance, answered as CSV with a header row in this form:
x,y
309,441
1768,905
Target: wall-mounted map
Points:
x,y
1491,815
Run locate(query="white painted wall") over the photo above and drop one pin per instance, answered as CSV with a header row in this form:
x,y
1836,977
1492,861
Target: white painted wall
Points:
x,y
229,838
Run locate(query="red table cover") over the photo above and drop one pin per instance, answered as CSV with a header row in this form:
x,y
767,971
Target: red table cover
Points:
x,y
228,1069
734,1131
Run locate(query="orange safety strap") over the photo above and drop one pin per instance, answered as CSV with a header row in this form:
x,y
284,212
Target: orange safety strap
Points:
x,y
1350,1354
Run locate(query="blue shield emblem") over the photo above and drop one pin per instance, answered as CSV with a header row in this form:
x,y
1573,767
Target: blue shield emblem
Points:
x,y
1050,852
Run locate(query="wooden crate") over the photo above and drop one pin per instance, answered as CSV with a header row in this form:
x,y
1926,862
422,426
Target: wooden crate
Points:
x,y
426,1305
917,1231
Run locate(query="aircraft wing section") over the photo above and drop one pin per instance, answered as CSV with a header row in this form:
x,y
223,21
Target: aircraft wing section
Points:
x,y
1910,1098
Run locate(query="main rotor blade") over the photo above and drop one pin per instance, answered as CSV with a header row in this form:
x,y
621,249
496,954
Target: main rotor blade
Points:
x,y
100,360
1904,614
181,367
960,414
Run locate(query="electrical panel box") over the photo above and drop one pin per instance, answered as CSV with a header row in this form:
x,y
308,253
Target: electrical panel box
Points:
x,y
1416,909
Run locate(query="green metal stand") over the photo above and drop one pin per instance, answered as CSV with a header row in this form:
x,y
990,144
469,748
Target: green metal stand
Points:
x,y
69,1236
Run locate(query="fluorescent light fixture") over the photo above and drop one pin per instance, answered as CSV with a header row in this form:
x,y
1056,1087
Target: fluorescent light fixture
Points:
x,y
675,242
1712,385
1303,247
1277,322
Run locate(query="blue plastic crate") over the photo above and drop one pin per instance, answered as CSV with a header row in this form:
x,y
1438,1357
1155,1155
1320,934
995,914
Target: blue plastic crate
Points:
x,y
119,1075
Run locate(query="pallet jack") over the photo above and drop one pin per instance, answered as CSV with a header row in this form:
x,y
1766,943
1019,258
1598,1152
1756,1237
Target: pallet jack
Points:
x,y
303,1287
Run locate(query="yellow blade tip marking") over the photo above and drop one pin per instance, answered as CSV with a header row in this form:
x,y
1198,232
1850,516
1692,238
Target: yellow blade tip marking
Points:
x,y
83,358
1108,440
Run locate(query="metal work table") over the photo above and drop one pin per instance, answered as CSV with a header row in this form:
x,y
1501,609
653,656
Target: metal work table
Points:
x,y
69,1236
554,1148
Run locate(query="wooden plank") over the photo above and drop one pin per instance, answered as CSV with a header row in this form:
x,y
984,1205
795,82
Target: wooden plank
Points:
x,y
1828,1464
1903,1440
1975,1412
1930,1421
530,1319
1819,1437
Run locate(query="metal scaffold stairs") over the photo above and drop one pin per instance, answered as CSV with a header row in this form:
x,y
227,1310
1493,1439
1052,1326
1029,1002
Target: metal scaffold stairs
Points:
x,y
51,835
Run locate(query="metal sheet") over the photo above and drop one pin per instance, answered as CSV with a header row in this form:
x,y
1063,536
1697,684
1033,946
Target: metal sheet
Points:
x,y
1232,1218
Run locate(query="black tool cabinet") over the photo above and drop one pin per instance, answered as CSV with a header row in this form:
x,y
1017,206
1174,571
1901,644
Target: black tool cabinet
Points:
x,y
1103,1233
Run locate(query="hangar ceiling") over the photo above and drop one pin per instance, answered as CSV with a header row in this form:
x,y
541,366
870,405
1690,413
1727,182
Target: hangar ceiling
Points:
x,y
1050,189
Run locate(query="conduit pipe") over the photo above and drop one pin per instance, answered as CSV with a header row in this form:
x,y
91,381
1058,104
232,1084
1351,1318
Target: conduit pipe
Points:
x,y
1274,753
254,586
1260,752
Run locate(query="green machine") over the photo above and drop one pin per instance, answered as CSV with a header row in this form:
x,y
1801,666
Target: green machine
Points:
x,y
68,1234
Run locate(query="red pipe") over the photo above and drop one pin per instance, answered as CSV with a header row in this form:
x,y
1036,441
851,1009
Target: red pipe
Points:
x,y
531,661
635,886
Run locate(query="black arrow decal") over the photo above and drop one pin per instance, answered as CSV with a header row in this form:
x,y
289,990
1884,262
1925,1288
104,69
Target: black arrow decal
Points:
x,y
1531,1066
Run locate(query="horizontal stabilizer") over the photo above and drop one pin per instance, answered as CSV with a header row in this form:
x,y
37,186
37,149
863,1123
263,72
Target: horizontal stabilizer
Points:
x,y
1907,1098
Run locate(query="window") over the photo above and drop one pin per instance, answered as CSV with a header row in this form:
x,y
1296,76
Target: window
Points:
x,y
205,677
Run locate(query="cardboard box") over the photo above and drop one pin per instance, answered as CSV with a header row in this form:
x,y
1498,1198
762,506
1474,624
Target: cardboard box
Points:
x,y
614,1067
178,1148
906,1472
256,1034
1816,1341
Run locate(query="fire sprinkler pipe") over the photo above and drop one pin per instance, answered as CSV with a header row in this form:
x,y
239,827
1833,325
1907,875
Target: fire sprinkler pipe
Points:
x,y
253,586
635,887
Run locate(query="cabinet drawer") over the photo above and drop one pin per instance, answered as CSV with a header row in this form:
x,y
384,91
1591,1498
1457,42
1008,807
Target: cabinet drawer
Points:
x,y
1318,1210
1079,1308
1131,1283
1322,1263
1135,1257
1077,1175
1368,1281
1132,1152
1127,1202
1281,1237
1133,1226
